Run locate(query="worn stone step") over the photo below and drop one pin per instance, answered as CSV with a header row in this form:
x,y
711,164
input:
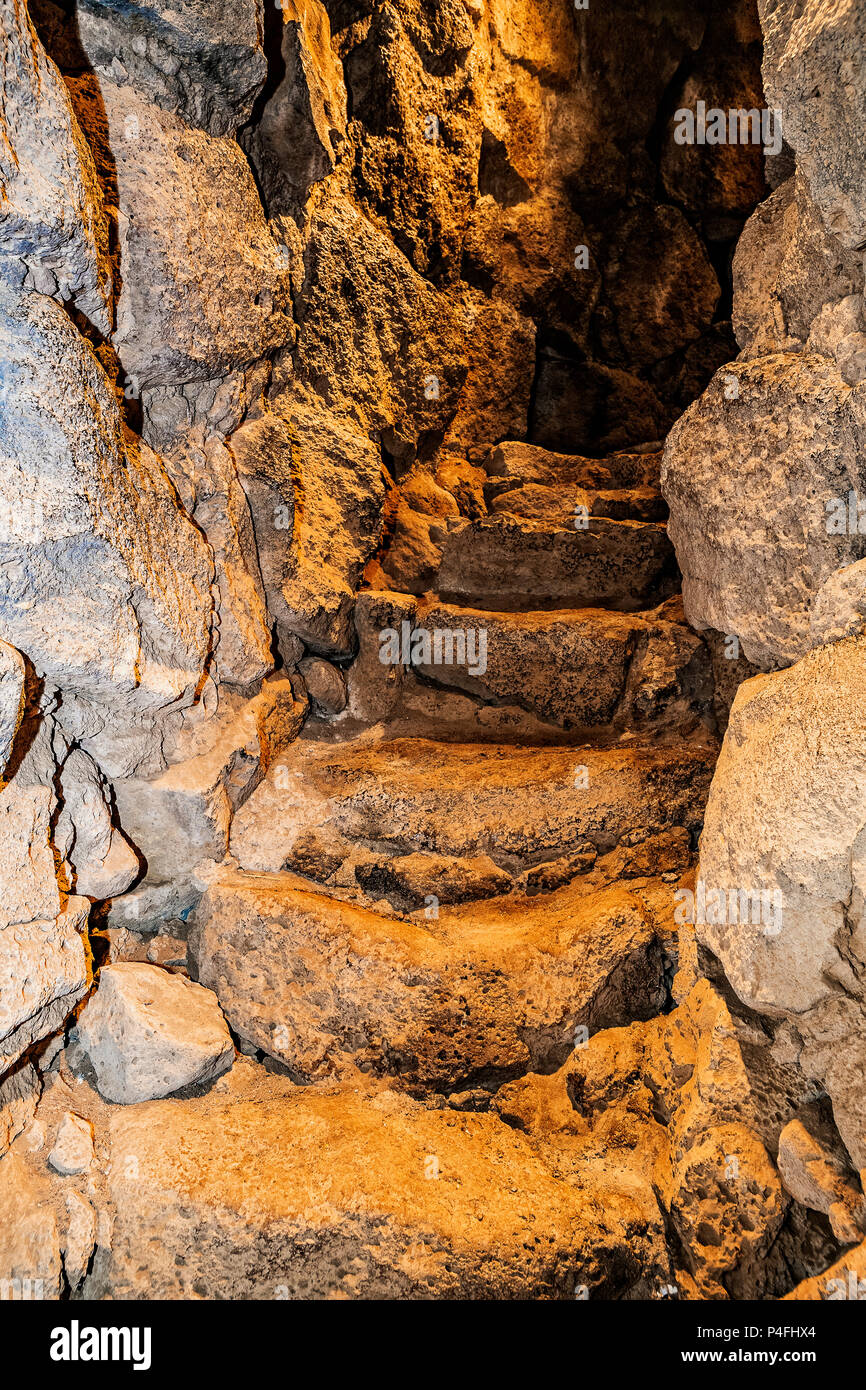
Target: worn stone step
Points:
x,y
469,995
346,1193
527,695
581,668
527,463
519,805
511,563
563,504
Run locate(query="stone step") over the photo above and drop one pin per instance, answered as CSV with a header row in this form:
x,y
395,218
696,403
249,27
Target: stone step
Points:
x,y
563,504
527,463
471,995
510,563
521,806
584,668
257,1193
663,672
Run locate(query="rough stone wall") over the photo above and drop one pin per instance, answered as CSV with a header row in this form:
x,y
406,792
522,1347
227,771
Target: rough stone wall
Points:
x,y
765,476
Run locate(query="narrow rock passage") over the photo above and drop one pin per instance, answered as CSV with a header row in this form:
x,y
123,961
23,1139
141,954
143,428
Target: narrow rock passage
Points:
x,y
355,749
478,1057
454,938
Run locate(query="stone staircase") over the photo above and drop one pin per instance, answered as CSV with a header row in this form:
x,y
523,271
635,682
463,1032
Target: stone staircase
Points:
x,y
450,913
441,911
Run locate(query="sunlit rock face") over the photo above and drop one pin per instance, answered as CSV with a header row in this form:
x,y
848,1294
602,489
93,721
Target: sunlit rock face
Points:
x,y
359,708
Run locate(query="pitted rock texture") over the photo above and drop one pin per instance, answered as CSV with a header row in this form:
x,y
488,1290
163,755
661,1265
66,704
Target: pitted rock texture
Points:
x,y
452,798
675,1089
478,991
401,1210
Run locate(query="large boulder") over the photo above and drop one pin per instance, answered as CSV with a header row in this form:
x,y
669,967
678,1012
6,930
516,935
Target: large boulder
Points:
x,y
813,74
499,346
784,827
178,320
655,313
525,249
787,267
757,474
